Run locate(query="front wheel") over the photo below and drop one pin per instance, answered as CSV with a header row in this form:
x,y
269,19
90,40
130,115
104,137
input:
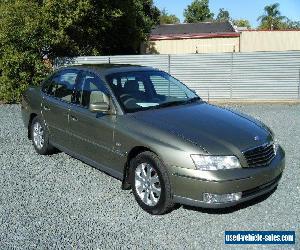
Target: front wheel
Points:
x,y
150,184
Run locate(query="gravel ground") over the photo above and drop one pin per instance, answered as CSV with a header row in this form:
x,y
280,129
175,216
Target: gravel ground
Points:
x,y
60,202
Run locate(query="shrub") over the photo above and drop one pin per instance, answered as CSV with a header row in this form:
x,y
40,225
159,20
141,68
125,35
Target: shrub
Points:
x,y
31,31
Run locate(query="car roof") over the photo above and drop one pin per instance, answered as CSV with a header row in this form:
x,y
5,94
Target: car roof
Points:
x,y
106,69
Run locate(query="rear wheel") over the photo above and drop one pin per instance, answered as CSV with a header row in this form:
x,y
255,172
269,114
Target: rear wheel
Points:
x,y
150,184
40,137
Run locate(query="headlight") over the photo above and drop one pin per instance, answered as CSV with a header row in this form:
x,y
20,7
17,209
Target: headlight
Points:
x,y
207,162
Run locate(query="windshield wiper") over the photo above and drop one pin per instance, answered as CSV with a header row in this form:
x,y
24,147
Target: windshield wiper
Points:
x,y
169,104
166,104
175,103
197,98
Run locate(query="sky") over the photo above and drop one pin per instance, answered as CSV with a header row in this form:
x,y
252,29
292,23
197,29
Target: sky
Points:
x,y
238,9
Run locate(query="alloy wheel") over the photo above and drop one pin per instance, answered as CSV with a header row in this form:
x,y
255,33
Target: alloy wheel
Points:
x,y
147,184
38,135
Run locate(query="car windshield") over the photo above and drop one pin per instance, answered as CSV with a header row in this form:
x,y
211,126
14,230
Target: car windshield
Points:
x,y
143,90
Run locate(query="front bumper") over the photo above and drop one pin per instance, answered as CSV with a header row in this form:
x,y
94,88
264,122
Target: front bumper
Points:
x,y
189,184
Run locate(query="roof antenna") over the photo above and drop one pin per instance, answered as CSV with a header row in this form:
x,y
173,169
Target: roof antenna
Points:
x,y
197,50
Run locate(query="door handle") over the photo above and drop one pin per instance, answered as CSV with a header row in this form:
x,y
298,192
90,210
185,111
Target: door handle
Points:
x,y
73,118
46,108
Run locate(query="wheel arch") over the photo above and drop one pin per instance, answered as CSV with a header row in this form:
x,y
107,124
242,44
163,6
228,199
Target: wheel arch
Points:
x,y
31,117
132,153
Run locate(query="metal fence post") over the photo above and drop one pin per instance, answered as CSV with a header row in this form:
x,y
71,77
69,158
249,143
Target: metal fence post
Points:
x,y
208,97
169,64
299,85
169,71
231,72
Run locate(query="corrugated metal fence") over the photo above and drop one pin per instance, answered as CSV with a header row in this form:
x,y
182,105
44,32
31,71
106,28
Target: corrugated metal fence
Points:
x,y
229,76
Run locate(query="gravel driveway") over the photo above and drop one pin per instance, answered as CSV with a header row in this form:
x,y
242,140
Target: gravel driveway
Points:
x,y
59,202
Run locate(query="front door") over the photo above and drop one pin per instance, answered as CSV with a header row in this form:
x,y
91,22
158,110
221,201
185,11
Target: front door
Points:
x,y
57,96
92,133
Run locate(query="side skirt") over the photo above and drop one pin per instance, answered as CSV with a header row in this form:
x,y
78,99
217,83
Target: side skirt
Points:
x,y
90,162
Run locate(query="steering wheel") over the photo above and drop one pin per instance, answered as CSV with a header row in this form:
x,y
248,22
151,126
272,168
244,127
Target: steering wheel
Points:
x,y
155,99
129,101
124,97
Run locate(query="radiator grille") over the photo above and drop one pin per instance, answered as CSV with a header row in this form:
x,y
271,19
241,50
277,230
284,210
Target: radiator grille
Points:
x,y
260,156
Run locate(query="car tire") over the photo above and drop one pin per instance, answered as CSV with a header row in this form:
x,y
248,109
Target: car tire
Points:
x,y
150,184
40,137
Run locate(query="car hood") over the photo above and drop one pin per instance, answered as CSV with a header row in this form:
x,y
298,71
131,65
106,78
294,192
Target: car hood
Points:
x,y
216,130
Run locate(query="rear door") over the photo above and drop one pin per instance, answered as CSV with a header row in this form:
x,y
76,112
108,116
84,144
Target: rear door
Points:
x,y
92,133
57,96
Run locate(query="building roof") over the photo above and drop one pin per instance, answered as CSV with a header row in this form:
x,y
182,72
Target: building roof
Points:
x,y
193,30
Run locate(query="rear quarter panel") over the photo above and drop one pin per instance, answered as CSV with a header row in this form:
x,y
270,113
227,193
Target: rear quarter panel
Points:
x,y
30,103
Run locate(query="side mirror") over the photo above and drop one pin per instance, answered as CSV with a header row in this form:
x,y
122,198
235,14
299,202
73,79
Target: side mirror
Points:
x,y
97,107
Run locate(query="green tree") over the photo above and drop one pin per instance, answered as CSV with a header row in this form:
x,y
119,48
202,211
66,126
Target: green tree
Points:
x,y
272,18
290,25
223,15
198,11
242,23
21,56
293,25
166,18
34,33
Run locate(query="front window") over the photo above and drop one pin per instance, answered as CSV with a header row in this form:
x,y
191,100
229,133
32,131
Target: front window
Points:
x,y
142,90
90,89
